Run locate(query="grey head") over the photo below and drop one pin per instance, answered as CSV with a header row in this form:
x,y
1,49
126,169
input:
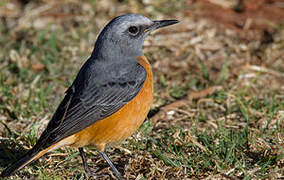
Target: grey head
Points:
x,y
124,36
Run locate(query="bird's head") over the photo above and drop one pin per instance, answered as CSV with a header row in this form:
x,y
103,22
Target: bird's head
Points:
x,y
125,34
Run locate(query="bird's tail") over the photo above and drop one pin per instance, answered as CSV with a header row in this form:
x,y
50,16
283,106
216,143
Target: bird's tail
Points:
x,y
31,155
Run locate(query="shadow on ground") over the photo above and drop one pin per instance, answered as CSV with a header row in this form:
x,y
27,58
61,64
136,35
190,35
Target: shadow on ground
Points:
x,y
9,152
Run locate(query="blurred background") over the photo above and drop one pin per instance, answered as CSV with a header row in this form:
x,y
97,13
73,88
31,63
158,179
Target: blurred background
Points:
x,y
218,111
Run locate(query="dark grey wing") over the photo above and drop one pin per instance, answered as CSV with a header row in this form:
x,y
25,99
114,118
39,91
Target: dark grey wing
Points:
x,y
94,95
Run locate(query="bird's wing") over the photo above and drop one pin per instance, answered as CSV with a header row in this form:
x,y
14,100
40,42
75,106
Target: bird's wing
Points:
x,y
90,99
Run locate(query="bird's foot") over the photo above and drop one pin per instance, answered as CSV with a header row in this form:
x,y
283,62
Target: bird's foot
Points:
x,y
90,173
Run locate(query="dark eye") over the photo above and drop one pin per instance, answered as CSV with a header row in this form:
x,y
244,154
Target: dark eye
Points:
x,y
133,30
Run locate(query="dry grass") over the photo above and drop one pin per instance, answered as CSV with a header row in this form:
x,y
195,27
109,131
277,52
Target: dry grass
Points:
x,y
219,89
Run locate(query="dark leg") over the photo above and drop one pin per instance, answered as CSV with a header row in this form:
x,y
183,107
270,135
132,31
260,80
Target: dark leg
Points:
x,y
118,175
86,167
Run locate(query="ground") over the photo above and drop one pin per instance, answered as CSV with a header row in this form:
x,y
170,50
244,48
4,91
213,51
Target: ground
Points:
x,y
218,111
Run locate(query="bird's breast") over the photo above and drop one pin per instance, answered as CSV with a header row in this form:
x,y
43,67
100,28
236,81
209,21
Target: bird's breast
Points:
x,y
122,123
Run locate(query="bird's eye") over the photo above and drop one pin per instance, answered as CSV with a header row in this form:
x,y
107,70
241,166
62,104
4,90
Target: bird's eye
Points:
x,y
133,30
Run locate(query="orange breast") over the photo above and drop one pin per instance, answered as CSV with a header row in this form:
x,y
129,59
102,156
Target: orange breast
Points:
x,y
124,122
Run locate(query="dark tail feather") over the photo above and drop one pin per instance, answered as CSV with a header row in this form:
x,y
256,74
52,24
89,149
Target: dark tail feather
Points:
x,y
26,159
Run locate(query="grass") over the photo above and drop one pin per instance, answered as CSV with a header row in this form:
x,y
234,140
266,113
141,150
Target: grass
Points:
x,y
236,132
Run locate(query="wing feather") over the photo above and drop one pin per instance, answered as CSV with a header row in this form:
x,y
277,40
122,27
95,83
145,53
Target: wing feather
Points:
x,y
90,100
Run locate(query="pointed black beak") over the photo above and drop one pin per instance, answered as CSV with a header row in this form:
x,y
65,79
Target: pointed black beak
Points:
x,y
163,23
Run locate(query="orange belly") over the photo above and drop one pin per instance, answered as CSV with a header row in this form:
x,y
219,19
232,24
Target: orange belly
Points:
x,y
124,122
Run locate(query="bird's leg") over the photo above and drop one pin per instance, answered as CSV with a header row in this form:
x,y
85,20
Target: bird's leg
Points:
x,y
118,175
86,167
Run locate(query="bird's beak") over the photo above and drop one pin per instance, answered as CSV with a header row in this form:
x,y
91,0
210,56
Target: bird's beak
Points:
x,y
160,24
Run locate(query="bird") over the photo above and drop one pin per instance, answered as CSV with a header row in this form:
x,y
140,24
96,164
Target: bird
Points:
x,y
109,98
